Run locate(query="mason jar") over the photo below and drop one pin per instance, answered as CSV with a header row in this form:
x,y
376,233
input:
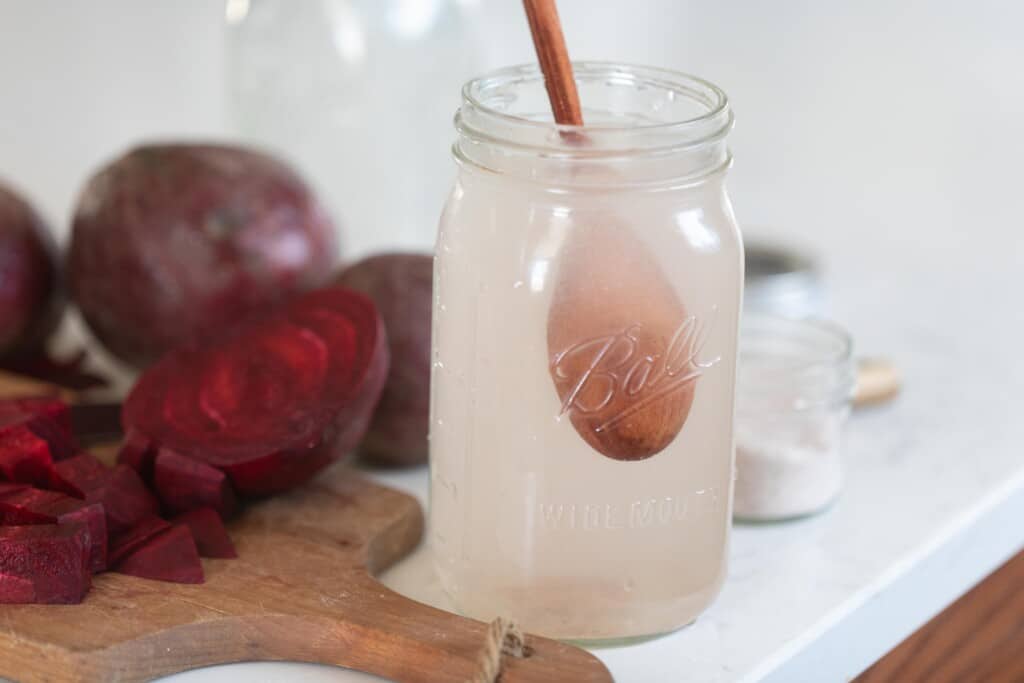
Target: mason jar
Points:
x,y
587,293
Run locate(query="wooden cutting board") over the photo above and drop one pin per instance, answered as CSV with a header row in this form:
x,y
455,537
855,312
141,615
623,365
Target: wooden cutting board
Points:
x,y
302,590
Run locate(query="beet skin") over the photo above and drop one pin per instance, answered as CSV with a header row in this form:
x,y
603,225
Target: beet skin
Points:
x,y
31,299
171,243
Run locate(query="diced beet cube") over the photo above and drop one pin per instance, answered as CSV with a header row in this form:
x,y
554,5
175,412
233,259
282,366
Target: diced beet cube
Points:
x,y
34,506
124,497
138,452
208,531
84,470
15,590
7,488
47,418
46,406
184,484
92,516
25,457
125,544
54,558
170,556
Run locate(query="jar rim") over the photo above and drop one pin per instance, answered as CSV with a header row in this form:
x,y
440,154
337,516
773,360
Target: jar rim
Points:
x,y
714,98
779,356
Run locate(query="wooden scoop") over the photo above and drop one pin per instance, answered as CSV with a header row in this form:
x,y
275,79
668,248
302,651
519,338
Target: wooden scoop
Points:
x,y
621,347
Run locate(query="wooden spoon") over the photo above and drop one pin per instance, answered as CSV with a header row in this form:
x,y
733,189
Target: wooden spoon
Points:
x,y
622,349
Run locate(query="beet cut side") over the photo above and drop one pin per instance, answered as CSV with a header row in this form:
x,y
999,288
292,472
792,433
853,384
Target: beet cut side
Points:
x,y
275,400
208,531
46,563
169,556
184,484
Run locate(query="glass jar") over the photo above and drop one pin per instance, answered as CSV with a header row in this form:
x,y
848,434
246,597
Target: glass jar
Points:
x,y
587,290
358,95
796,380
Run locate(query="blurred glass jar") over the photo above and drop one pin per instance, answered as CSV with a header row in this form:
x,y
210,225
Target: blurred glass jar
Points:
x,y
358,94
793,397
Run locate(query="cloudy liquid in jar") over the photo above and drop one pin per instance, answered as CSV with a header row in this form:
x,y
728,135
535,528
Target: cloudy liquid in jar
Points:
x,y
528,519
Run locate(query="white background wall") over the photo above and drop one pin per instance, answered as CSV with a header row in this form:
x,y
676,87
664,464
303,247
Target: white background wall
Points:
x,y
842,108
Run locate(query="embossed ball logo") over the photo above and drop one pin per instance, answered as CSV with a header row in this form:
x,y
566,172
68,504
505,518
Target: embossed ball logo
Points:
x,y
628,394
624,353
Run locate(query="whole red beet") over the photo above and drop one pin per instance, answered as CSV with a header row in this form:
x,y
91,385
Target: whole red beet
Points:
x,y
171,243
31,301
401,285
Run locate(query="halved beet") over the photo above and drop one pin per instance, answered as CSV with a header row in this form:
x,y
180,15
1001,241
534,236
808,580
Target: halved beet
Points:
x,y
208,531
34,506
123,495
26,457
128,542
275,400
53,558
184,484
169,556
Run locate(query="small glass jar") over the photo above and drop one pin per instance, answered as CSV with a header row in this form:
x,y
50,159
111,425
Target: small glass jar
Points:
x,y
781,280
587,294
796,381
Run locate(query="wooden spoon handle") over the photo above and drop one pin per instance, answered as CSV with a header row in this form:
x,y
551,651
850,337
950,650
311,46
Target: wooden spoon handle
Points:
x,y
553,56
878,381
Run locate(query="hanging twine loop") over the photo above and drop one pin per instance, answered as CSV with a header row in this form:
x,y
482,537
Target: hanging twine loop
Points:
x,y
503,638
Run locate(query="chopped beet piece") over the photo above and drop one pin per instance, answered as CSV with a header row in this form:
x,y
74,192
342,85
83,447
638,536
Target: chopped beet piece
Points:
x,y
138,452
7,488
208,531
54,558
84,470
127,543
123,495
48,418
15,590
184,484
169,556
25,456
33,506
16,514
276,399
45,406
93,518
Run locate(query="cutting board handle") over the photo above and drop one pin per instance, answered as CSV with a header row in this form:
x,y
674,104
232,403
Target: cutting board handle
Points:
x,y
403,640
